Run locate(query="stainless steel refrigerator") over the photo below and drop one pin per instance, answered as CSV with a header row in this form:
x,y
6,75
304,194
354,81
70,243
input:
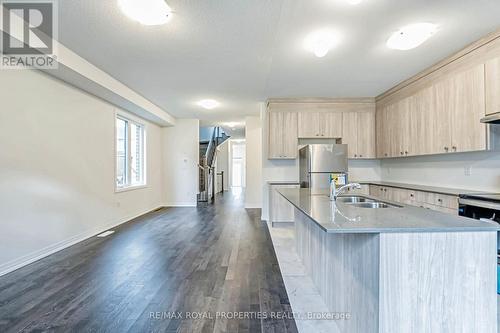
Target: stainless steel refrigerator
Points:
x,y
318,163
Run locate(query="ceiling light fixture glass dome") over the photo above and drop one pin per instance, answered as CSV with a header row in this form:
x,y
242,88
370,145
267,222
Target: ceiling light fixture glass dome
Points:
x,y
147,12
411,36
320,42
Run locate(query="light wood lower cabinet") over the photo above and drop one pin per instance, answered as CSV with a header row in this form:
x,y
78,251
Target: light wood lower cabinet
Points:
x,y
280,210
365,189
435,201
283,141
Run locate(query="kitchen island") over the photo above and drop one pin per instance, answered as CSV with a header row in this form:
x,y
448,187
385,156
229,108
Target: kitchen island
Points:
x,y
397,269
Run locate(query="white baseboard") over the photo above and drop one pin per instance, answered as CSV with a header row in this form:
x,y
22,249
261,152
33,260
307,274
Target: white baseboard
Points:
x,y
12,265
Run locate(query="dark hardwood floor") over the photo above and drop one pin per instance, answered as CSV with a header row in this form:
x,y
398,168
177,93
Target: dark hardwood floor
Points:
x,y
153,273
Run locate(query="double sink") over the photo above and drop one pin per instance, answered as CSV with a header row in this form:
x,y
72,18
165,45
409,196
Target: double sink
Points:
x,y
363,202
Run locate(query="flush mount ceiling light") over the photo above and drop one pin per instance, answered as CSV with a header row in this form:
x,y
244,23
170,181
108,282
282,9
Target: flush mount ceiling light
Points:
x,y
208,104
147,12
320,42
411,36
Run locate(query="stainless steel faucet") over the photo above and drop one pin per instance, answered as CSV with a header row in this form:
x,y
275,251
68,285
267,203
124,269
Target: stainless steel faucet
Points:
x,y
335,192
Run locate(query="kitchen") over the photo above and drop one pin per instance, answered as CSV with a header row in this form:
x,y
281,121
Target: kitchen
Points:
x,y
445,116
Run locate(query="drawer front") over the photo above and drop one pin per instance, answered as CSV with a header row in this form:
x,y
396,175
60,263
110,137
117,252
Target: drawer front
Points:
x,y
446,201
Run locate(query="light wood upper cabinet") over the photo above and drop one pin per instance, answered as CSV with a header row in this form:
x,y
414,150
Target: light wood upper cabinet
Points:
x,y
421,129
442,118
331,124
309,125
350,133
492,76
366,134
358,132
382,132
283,142
327,125
467,109
438,117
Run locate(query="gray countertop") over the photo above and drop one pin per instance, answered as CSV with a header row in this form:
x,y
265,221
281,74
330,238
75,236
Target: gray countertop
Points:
x,y
424,188
345,218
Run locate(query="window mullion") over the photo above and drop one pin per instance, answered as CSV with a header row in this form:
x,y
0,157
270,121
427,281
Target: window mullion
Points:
x,y
129,154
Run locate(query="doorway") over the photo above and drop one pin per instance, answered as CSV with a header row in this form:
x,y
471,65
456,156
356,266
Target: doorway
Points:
x,y
238,163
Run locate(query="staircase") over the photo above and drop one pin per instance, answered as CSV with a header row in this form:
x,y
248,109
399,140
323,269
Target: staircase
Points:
x,y
208,158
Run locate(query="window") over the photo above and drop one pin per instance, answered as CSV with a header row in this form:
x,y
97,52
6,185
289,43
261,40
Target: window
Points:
x,y
130,157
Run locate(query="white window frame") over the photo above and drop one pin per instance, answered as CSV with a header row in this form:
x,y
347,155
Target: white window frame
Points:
x,y
128,183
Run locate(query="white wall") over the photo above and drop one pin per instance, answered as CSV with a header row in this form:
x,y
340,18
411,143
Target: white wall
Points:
x,y
57,168
223,165
181,158
447,170
253,138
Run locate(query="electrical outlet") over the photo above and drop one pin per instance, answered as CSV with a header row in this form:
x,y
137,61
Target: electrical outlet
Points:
x,y
468,170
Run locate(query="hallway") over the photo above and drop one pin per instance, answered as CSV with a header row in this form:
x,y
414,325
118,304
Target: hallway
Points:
x,y
172,270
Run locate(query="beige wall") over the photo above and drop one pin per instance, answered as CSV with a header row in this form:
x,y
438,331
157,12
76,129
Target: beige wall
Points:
x,y
181,158
57,168
253,138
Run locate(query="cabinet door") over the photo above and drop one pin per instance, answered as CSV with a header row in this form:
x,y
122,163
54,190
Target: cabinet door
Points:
x,y
401,132
421,106
467,109
492,85
289,135
275,148
376,191
330,124
280,209
383,140
350,133
365,134
439,117
309,124
392,131
283,142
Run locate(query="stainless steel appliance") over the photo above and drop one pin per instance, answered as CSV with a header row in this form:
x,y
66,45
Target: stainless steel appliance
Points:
x,y
484,207
318,163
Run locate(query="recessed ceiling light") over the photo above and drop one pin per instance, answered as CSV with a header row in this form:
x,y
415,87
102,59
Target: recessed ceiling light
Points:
x,y
208,104
411,36
147,12
354,2
320,42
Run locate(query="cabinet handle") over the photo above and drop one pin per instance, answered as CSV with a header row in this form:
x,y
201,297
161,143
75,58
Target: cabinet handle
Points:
x,y
446,149
401,153
406,152
385,154
454,148
355,155
360,155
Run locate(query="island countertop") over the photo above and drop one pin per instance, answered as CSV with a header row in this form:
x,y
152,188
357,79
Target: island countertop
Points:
x,y
339,217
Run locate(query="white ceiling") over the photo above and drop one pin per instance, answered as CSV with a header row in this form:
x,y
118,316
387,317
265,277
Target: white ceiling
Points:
x,y
242,52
